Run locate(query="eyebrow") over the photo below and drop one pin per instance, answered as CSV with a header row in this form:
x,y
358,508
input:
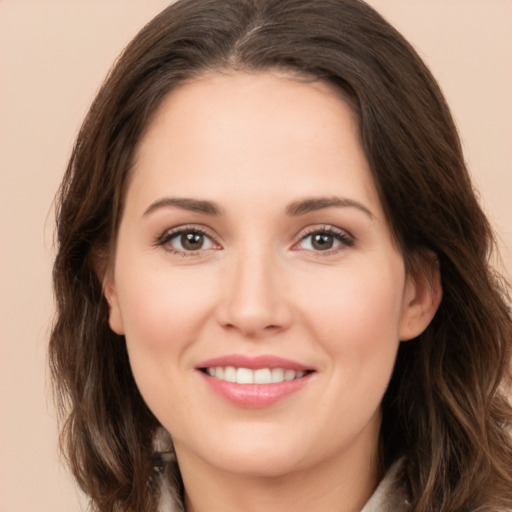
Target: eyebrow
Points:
x,y
185,203
313,204
294,209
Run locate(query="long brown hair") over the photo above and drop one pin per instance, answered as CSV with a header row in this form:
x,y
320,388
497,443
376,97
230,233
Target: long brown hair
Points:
x,y
445,409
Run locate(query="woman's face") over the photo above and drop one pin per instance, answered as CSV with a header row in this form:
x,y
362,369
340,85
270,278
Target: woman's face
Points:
x,y
253,248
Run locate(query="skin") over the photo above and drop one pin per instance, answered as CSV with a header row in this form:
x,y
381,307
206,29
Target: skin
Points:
x,y
254,144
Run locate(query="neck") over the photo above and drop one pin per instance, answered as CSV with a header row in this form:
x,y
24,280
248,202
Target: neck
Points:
x,y
333,485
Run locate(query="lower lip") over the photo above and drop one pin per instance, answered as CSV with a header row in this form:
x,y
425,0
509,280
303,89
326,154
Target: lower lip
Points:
x,y
255,396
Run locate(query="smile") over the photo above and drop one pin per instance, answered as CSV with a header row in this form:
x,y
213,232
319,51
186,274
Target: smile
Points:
x,y
254,381
249,376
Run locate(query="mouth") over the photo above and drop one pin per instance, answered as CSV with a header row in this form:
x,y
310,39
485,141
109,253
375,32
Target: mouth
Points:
x,y
254,382
258,376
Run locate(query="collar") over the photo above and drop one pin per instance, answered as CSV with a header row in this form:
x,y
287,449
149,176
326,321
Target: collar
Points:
x,y
390,495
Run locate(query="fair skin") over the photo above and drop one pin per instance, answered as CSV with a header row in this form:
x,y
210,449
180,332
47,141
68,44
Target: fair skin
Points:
x,y
281,249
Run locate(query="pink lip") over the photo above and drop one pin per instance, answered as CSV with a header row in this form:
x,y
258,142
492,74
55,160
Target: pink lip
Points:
x,y
254,396
253,362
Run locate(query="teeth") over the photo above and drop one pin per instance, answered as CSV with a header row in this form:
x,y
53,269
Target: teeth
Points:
x,y
244,376
289,375
248,376
229,374
277,375
263,376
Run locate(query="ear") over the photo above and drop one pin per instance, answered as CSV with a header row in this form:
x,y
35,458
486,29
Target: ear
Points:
x,y
104,270
422,296
115,319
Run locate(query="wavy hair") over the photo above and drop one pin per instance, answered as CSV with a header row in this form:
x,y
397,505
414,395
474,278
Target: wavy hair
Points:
x,y
445,409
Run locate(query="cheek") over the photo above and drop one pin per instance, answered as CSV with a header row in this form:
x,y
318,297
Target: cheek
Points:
x,y
163,312
356,318
160,305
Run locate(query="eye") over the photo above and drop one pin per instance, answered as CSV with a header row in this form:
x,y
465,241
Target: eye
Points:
x,y
325,240
185,240
190,241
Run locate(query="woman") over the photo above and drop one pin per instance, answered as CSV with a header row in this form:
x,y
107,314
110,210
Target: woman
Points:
x,y
270,249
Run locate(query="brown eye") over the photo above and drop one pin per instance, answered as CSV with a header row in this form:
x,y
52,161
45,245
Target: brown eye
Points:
x,y
322,241
187,241
192,241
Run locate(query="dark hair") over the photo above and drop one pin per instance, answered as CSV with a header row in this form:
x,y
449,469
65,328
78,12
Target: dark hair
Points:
x,y
445,409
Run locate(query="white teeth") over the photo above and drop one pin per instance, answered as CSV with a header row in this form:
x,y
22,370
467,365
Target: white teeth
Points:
x,y
277,375
229,374
248,376
289,375
263,376
244,376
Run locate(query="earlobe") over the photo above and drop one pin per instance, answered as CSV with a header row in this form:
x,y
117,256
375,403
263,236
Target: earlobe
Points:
x,y
422,296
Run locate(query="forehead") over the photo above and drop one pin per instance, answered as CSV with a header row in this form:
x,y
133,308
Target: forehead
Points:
x,y
241,132
216,101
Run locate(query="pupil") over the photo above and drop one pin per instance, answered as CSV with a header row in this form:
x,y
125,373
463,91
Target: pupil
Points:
x,y
322,241
192,241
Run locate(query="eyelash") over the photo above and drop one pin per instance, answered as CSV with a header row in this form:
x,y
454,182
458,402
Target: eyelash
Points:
x,y
344,239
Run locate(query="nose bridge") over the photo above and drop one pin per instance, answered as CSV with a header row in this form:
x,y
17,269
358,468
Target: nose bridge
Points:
x,y
255,299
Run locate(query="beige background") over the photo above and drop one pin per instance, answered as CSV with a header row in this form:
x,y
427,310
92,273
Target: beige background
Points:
x,y
53,56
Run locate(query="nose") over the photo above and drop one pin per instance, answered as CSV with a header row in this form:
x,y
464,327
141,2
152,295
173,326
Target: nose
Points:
x,y
255,301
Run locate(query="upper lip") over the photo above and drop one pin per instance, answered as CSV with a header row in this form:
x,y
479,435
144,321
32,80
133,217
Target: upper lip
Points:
x,y
253,362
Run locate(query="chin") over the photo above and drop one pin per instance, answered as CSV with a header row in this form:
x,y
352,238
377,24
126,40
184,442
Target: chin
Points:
x,y
252,454
261,463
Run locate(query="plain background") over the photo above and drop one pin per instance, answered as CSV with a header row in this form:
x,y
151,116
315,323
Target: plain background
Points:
x,y
53,57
